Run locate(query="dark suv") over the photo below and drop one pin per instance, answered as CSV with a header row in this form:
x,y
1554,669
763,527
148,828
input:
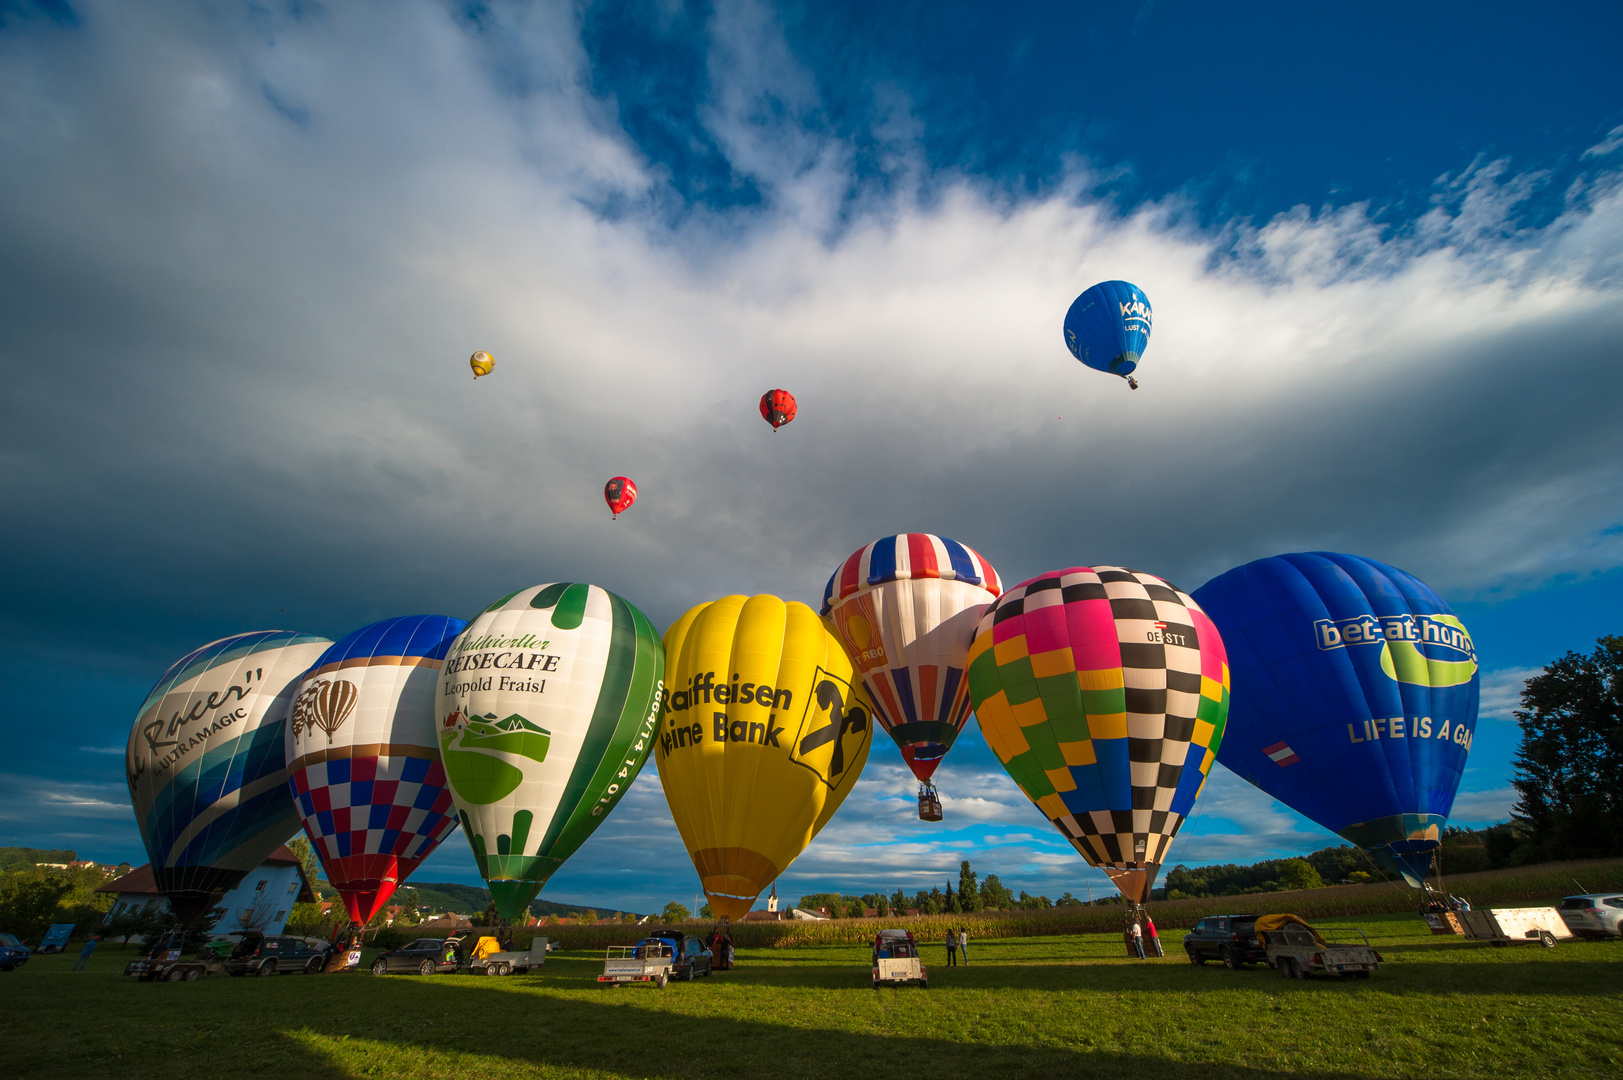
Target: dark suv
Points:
x,y
261,955
1229,938
425,956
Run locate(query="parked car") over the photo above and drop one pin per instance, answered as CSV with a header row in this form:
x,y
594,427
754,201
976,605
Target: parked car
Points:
x,y
278,955
425,956
1593,915
1229,938
896,960
13,953
667,955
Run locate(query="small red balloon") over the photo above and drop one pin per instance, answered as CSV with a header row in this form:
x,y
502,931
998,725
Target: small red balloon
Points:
x,y
620,493
777,408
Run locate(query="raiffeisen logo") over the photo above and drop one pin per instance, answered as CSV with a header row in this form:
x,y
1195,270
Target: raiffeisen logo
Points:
x,y
1444,630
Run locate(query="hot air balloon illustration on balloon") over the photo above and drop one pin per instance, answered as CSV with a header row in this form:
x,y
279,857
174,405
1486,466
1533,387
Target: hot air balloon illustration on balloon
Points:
x,y
1103,691
548,703
482,363
206,765
1355,697
777,408
906,608
1108,328
763,735
619,493
364,761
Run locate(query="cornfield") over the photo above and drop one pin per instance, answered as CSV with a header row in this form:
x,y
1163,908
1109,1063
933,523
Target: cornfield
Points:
x,y
1541,884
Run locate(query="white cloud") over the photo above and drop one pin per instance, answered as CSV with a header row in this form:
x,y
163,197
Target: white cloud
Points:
x,y
1502,692
1608,145
1483,807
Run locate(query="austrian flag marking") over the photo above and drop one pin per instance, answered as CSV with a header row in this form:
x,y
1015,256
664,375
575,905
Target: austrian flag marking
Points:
x,y
1281,754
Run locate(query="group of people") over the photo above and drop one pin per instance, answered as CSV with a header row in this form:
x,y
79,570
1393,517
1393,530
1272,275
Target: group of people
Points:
x,y
721,947
957,942
1141,938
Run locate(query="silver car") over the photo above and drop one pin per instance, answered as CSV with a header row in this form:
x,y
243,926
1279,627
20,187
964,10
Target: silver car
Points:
x,y
1594,915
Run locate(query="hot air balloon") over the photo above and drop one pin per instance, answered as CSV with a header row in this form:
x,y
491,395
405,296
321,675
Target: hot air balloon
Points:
x,y
548,703
1108,328
619,493
764,734
905,608
1103,691
364,760
206,765
777,408
482,363
1355,697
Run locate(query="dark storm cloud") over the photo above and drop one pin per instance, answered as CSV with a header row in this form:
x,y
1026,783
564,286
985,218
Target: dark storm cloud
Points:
x,y
244,257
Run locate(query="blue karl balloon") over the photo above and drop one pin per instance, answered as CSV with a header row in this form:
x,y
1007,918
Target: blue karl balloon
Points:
x,y
1354,697
1108,328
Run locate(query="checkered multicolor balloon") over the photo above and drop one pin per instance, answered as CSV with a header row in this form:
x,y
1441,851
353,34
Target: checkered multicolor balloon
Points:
x,y
1104,693
363,765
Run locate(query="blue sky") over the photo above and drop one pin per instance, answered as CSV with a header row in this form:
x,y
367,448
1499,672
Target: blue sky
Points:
x,y
245,249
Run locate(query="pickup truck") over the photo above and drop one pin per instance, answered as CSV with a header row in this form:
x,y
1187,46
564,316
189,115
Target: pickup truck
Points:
x,y
658,959
1296,950
164,962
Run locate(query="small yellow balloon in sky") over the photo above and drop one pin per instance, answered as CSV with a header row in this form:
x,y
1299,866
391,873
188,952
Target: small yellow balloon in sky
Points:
x,y
482,363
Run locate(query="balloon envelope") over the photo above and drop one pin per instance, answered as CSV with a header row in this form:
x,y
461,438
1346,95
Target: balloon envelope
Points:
x,y
905,608
1355,697
482,363
619,493
364,762
763,737
206,763
777,407
1103,691
547,705
1108,327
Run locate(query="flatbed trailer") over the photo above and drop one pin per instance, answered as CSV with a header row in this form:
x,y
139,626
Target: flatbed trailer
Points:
x,y
1298,951
1515,926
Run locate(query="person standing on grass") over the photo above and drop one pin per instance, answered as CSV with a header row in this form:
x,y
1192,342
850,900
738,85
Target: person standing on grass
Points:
x,y
952,948
1138,938
963,943
84,956
1149,932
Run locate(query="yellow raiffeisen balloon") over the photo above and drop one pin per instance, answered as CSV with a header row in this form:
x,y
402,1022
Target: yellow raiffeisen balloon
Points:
x,y
763,735
482,363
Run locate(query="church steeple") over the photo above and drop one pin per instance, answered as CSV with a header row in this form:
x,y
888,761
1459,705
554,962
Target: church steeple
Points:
x,y
772,901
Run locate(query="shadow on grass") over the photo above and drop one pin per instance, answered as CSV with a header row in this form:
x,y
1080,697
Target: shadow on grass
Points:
x,y
622,1034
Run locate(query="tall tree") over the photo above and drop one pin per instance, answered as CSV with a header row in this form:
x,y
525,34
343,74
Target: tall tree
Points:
x,y
969,890
1569,768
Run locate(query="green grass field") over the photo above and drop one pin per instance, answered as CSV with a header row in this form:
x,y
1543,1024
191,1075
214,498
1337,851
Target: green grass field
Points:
x,y
1028,1006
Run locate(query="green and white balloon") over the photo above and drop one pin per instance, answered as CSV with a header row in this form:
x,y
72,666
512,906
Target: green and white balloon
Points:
x,y
548,703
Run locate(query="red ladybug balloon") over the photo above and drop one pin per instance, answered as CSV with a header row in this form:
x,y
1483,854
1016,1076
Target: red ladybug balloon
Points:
x,y
777,408
620,493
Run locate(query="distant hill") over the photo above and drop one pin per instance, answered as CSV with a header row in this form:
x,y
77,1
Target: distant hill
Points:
x,y
471,900
24,858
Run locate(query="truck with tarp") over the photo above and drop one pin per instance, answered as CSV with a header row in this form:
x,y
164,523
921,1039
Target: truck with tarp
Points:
x,y
1297,950
1516,926
489,955
896,960
667,955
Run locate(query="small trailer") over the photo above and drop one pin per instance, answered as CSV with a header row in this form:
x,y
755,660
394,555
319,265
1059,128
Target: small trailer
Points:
x,y
647,961
164,963
1515,926
896,960
1297,951
488,957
